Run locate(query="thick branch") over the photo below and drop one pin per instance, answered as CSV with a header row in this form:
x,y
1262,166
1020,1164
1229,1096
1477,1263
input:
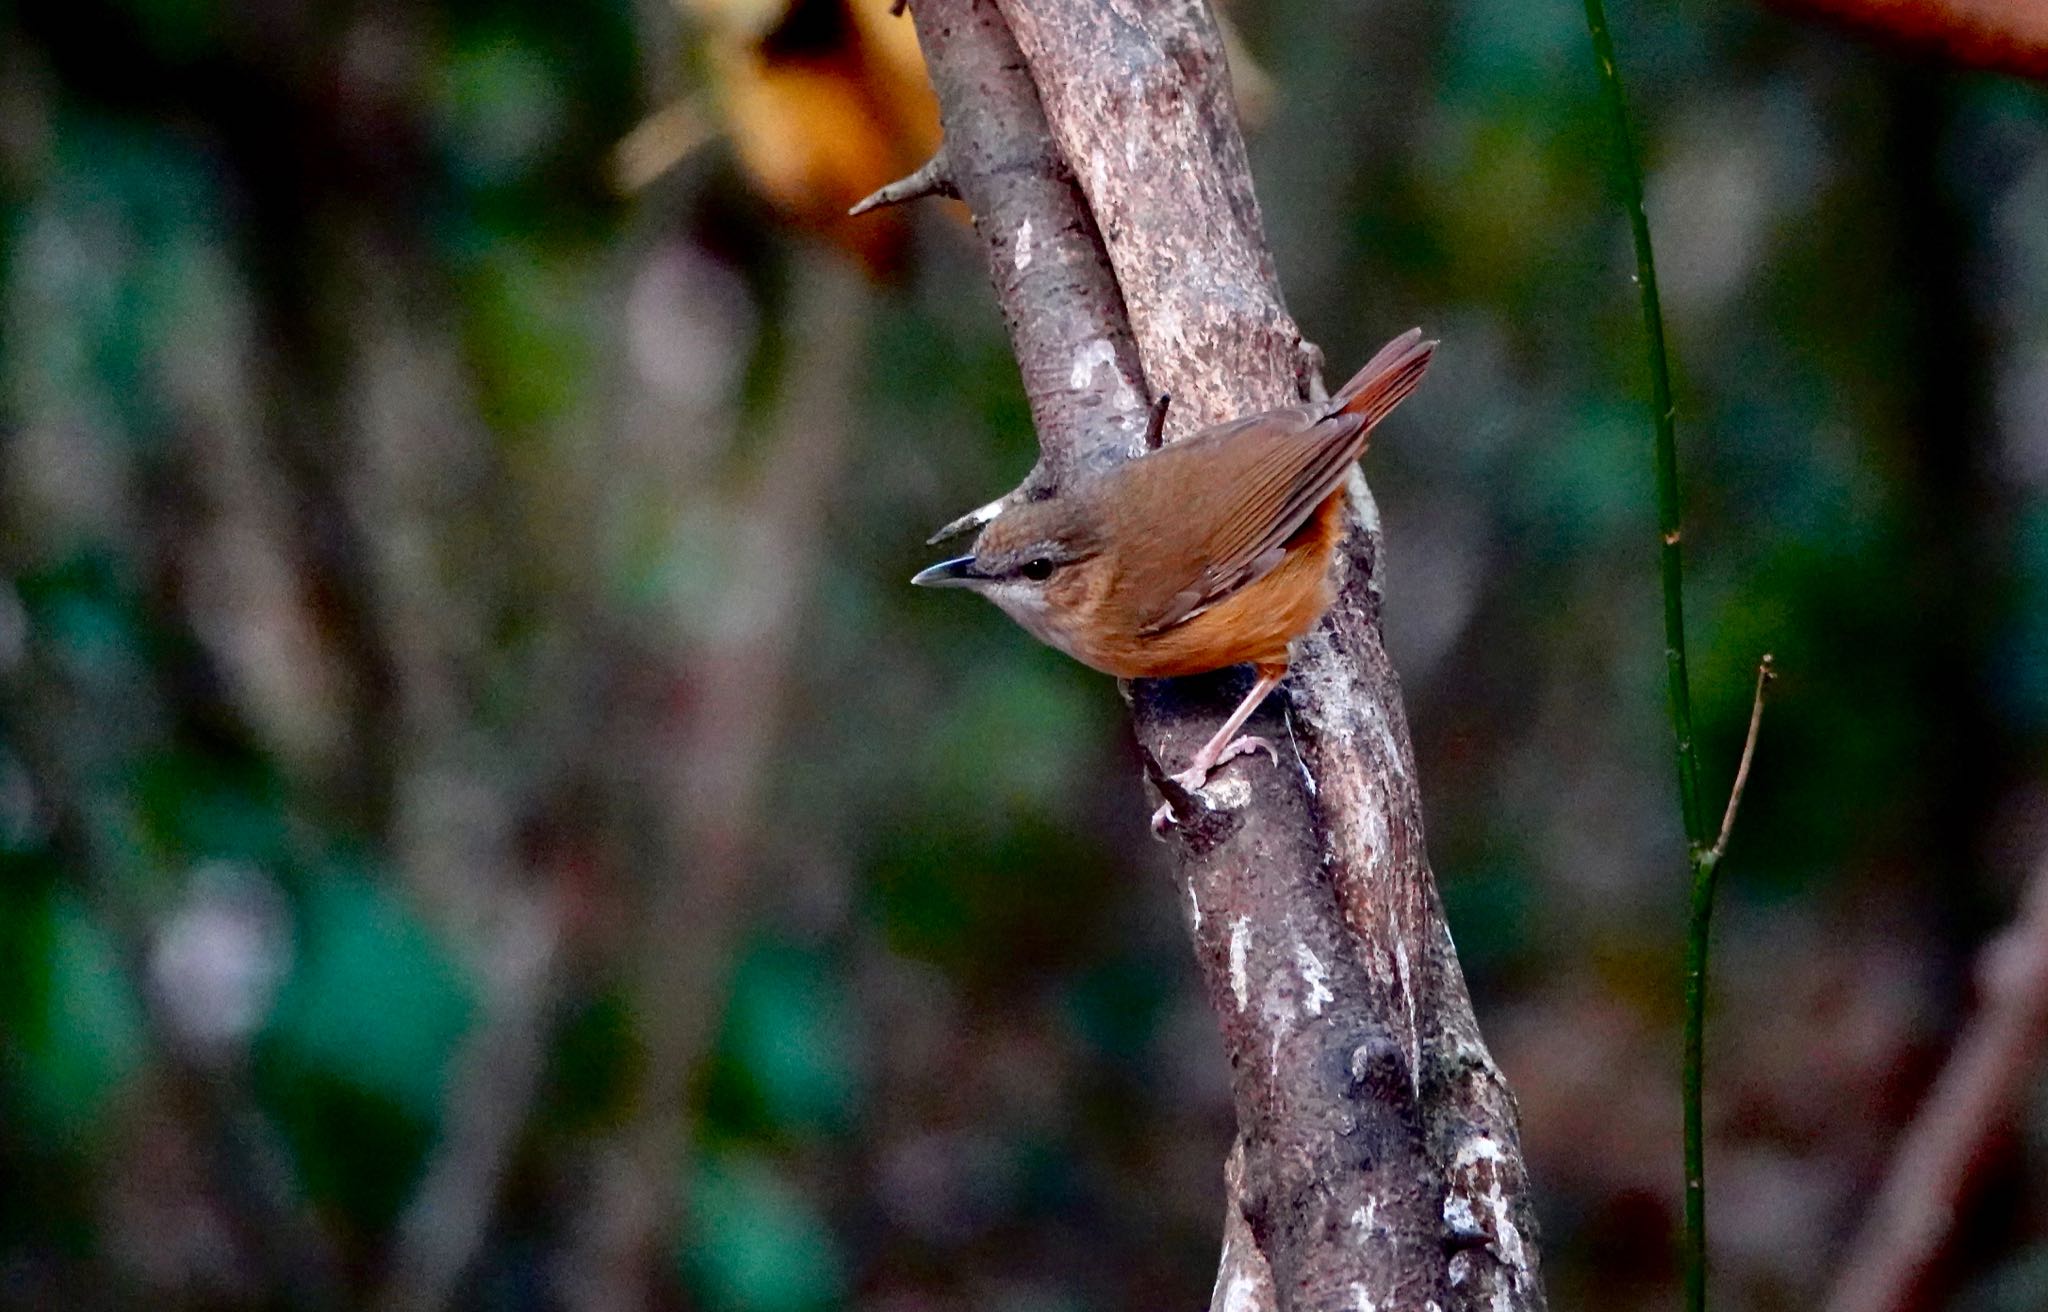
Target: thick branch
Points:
x,y
1053,283
1377,1143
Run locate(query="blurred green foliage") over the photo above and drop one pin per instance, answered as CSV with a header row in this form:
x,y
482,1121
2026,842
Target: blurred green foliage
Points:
x,y
76,1037
756,1242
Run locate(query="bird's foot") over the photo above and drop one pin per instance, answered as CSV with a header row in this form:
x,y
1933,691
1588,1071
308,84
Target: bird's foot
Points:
x,y
1196,777
1245,746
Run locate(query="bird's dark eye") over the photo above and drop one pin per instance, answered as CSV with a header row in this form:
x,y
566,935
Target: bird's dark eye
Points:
x,y
1038,570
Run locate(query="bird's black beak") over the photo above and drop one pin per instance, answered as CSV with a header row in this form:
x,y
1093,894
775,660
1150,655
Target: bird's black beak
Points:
x,y
958,572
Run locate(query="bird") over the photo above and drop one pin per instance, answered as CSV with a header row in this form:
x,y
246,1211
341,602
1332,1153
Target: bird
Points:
x,y
1205,553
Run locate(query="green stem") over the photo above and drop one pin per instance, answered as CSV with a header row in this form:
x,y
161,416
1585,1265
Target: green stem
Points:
x,y
1698,921
1701,856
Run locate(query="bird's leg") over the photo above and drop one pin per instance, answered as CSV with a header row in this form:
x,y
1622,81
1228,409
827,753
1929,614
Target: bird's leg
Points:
x,y
1225,745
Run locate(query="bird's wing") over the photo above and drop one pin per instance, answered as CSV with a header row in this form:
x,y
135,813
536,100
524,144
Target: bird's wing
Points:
x,y
1250,486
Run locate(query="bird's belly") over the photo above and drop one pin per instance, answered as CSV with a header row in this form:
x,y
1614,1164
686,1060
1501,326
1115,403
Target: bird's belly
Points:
x,y
1256,624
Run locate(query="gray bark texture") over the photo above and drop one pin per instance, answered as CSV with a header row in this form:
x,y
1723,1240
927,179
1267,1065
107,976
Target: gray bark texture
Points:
x,y
1378,1165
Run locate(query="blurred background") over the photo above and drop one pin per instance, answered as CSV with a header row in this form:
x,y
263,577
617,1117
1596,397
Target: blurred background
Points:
x,y
485,824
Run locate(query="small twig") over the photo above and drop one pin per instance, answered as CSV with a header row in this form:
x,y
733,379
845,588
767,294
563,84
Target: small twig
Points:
x,y
1942,1157
1155,427
897,7
933,178
1765,672
975,519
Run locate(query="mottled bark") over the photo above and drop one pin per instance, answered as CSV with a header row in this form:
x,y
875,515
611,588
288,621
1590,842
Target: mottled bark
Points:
x,y
1378,1166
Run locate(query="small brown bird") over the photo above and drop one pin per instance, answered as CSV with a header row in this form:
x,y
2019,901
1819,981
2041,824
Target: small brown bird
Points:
x,y
1210,552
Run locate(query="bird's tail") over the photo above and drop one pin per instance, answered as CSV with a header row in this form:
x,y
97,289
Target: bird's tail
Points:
x,y
1386,380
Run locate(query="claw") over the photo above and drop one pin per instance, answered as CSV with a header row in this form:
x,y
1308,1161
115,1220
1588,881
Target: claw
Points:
x,y
1191,779
1196,777
1246,746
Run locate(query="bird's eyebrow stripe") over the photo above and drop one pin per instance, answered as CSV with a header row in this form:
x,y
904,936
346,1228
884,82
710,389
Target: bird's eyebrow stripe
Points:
x,y
1045,549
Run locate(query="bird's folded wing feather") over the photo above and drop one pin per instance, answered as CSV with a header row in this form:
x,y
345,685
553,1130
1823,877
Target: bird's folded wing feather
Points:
x,y
1260,479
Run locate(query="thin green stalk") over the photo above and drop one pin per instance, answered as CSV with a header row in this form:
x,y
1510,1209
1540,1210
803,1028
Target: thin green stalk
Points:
x,y
1670,553
1697,924
1703,856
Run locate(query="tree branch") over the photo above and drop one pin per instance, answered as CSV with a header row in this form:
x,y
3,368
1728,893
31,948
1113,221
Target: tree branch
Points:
x,y
709,767
1766,670
1971,1109
1155,423
487,1105
1377,1162
930,179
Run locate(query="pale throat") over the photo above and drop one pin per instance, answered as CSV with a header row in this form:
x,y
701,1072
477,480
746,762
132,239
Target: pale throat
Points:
x,y
1049,624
